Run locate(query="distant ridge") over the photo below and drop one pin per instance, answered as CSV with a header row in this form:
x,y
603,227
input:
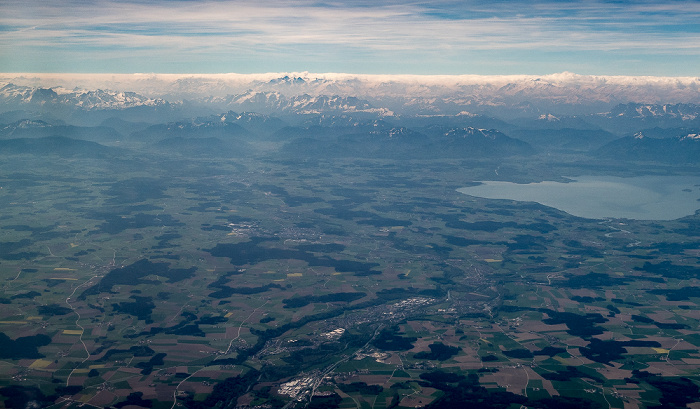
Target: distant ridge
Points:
x,y
564,87
679,149
56,146
549,97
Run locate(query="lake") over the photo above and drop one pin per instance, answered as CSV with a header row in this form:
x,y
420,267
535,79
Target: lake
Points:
x,y
600,197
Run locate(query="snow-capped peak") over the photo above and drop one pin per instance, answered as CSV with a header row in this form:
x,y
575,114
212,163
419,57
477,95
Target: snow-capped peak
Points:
x,y
548,118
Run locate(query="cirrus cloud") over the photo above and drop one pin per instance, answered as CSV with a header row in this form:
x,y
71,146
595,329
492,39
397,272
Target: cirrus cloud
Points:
x,y
359,36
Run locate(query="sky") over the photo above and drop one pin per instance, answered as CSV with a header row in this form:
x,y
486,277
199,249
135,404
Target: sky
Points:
x,y
658,38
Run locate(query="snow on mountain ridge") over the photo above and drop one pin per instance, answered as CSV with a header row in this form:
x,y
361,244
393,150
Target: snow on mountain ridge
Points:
x,y
306,93
567,87
683,111
266,101
84,99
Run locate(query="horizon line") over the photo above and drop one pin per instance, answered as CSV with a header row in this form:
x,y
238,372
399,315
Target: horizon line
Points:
x,y
338,73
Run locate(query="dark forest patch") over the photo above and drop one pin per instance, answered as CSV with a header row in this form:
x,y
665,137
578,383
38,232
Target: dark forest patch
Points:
x,y
586,299
549,351
22,347
135,351
667,269
141,308
134,274
438,351
681,294
30,295
361,387
211,320
8,250
156,360
252,252
185,327
390,339
226,291
466,392
135,399
399,293
53,309
306,357
692,229
606,351
527,243
670,325
676,392
226,393
23,397
453,221
579,325
223,278
164,240
519,354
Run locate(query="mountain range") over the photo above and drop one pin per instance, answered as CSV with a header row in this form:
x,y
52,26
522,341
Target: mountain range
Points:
x,y
558,94
86,99
390,117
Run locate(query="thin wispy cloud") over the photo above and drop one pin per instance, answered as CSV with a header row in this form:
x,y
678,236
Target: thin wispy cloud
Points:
x,y
398,36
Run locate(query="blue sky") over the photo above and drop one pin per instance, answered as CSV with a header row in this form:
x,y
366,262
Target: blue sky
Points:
x,y
361,36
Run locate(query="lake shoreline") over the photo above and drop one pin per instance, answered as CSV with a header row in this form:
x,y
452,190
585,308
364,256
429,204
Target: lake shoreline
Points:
x,y
604,197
